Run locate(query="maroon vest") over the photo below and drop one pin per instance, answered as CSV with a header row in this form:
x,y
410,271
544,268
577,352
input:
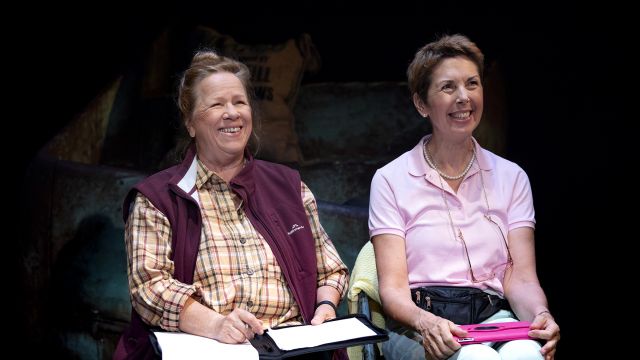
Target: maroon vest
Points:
x,y
271,194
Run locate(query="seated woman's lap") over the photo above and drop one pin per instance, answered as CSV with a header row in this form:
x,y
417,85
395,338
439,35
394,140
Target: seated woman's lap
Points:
x,y
401,347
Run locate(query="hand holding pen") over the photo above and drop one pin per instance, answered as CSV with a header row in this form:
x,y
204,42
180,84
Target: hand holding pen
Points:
x,y
237,327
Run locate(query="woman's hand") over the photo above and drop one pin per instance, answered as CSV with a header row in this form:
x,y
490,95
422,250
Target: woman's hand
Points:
x,y
437,335
237,327
544,327
323,313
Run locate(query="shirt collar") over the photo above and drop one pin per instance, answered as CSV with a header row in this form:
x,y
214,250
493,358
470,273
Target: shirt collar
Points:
x,y
205,175
482,157
418,166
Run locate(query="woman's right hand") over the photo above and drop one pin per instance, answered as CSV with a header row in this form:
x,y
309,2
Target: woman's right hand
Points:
x,y
237,327
437,335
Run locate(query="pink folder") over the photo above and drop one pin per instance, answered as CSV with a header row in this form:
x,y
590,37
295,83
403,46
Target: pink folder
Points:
x,y
505,331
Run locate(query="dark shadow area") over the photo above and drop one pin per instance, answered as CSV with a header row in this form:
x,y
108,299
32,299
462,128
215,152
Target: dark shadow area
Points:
x,y
85,295
550,102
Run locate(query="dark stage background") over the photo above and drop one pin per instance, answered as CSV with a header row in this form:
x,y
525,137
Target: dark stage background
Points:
x,y
550,87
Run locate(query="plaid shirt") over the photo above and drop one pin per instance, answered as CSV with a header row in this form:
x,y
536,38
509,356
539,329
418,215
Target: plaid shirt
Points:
x,y
235,265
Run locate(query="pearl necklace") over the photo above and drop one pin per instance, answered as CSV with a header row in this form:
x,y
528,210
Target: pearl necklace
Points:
x,y
431,163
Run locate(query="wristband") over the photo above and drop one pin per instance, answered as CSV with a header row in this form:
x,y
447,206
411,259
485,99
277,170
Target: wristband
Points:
x,y
330,303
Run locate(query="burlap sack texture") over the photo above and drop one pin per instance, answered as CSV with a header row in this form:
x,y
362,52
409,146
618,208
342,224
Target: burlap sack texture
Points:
x,y
130,123
277,71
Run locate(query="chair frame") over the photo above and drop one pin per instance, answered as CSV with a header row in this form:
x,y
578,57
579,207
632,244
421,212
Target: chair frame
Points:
x,y
368,350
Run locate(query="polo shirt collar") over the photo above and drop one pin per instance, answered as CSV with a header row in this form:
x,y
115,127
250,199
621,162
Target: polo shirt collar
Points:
x,y
418,166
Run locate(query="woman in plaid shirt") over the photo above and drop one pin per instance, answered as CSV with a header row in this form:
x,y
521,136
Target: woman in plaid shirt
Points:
x,y
223,245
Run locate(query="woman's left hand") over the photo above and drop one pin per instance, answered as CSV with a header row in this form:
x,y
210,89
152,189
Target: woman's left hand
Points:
x,y
323,313
545,327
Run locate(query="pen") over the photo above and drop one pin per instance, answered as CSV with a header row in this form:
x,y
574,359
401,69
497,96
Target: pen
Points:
x,y
245,307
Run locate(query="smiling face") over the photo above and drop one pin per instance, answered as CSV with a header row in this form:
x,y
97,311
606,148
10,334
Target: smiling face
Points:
x,y
221,122
454,99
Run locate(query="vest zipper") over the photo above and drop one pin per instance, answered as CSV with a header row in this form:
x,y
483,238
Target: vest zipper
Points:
x,y
293,290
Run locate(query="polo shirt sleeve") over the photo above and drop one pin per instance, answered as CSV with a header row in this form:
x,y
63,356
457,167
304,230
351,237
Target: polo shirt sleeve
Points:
x,y
520,212
384,212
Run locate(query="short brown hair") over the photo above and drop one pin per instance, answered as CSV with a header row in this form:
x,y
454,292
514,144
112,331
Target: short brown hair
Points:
x,y
429,56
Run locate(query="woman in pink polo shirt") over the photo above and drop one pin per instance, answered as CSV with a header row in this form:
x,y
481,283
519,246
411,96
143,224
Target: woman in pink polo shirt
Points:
x,y
452,225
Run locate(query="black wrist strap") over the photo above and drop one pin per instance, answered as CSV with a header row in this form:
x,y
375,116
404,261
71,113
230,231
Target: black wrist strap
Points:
x,y
330,303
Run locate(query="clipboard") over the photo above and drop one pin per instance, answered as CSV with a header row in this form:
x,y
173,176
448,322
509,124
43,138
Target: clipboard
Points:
x,y
183,345
269,350
493,332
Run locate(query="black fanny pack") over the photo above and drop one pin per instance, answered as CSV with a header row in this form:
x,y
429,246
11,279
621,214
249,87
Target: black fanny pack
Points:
x,y
461,305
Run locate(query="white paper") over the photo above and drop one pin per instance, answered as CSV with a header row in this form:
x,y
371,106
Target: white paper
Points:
x,y
177,345
297,337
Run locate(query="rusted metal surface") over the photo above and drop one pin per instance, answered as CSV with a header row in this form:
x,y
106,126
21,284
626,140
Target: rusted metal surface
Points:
x,y
340,181
74,268
356,120
347,227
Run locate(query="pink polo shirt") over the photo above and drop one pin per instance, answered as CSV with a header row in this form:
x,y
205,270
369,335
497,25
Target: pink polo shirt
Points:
x,y
406,200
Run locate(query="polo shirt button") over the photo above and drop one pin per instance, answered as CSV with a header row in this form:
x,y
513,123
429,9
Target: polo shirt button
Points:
x,y
243,240
249,303
250,272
